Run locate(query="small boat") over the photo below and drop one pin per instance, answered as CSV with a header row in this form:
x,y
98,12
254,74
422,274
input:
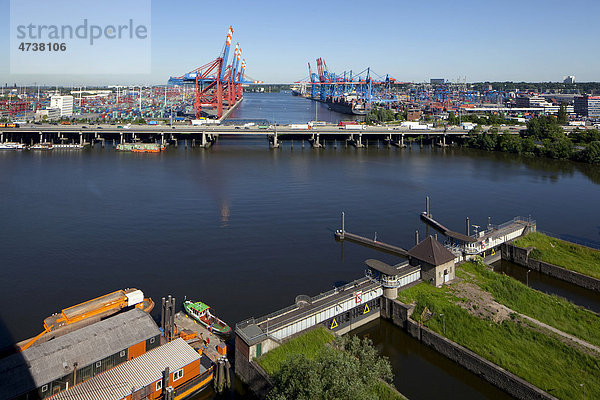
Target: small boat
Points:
x,y
200,312
42,146
12,146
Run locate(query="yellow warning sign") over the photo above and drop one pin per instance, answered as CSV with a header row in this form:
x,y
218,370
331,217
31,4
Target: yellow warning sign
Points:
x,y
493,251
333,324
366,309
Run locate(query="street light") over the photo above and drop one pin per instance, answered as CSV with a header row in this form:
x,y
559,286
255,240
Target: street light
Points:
x,y
527,275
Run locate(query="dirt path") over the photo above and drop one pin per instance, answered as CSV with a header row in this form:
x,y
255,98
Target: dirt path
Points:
x,y
480,303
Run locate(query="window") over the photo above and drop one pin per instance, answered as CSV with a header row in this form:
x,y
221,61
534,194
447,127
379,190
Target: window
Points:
x,y
177,374
158,385
98,364
44,388
122,353
152,340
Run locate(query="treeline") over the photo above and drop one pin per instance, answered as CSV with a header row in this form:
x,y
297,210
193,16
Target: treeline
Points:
x,y
544,137
379,114
488,119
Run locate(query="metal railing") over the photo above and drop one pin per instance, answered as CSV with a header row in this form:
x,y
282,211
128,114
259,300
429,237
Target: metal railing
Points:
x,y
493,228
277,314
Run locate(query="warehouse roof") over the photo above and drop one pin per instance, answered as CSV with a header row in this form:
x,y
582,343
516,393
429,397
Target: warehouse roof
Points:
x,y
43,363
136,374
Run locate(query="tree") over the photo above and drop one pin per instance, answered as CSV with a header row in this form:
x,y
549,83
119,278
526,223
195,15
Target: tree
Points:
x,y
591,154
348,369
563,118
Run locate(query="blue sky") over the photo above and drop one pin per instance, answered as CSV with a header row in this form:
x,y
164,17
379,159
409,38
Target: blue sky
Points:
x,y
527,40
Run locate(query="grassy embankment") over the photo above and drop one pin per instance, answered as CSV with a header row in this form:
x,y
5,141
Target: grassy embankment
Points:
x,y
552,310
513,345
311,345
564,254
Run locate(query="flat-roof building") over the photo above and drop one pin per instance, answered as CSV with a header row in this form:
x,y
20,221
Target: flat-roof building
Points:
x,y
587,106
144,377
56,365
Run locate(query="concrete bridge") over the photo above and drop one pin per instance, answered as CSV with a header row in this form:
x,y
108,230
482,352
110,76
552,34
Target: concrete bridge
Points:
x,y
205,135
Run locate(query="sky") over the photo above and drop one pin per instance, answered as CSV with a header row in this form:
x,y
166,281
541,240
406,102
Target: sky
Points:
x,y
526,40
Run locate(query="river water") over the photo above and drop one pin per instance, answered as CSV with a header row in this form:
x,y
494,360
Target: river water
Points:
x,y
245,228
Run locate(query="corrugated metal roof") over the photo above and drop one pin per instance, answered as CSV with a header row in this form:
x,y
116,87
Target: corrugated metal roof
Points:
x,y
136,374
43,363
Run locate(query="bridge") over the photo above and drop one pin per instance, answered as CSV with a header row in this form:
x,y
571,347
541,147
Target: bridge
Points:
x,y
205,135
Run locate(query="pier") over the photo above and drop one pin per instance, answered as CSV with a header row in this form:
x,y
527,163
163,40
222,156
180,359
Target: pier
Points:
x,y
341,234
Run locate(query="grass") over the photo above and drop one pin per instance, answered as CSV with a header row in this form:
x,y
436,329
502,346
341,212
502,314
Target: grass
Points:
x,y
310,344
383,391
552,310
540,359
564,254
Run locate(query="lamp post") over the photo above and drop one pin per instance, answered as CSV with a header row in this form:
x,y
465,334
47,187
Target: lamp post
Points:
x,y
527,275
443,323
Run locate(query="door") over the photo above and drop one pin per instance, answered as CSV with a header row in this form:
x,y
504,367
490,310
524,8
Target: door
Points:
x,y
446,276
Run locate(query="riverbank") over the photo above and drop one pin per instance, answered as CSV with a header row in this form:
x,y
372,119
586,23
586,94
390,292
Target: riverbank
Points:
x,y
470,316
564,254
318,354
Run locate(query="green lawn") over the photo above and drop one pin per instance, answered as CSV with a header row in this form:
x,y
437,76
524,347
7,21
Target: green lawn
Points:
x,y
310,344
564,254
542,360
552,310
387,392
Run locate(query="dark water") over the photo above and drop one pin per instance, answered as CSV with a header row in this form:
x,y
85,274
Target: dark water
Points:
x,y
283,108
423,373
245,228
586,298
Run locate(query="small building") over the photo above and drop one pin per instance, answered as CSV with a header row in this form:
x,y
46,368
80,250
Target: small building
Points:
x,y
437,262
54,366
175,364
413,114
50,114
64,103
569,80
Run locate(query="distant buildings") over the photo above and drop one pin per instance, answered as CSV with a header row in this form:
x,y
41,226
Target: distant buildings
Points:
x,y
569,80
63,103
542,103
587,106
50,114
437,81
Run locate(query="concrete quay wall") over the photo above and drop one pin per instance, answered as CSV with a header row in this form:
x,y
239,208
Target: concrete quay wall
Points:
x,y
520,256
399,314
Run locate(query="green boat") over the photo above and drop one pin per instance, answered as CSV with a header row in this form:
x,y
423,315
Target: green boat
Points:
x,y
200,312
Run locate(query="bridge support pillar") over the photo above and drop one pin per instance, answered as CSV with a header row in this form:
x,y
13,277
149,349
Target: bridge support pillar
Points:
x,y
273,141
41,137
1,137
162,138
402,140
315,141
80,138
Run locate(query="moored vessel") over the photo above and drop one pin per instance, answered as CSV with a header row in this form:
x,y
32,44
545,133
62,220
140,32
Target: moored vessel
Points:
x,y
89,312
200,312
141,147
42,146
12,146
